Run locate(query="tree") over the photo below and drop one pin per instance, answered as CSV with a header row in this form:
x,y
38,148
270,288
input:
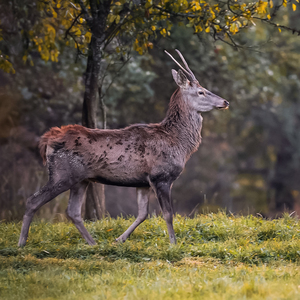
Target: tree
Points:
x,y
101,29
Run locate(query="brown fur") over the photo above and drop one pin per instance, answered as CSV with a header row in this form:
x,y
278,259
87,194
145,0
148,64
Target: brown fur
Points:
x,y
56,134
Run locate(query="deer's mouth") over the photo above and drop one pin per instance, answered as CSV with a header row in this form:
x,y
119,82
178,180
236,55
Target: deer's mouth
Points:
x,y
225,105
223,108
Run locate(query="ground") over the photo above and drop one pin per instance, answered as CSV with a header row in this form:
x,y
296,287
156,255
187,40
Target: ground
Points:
x,y
217,257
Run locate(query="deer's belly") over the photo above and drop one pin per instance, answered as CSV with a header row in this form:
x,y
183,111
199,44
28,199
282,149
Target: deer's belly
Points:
x,y
135,174
122,181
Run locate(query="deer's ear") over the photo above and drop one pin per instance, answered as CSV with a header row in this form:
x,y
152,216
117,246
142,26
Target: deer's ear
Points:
x,y
180,78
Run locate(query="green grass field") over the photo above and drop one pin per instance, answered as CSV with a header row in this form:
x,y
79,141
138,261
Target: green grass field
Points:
x,y
217,257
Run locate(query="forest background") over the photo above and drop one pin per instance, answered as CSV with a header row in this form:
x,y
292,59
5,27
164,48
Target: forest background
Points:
x,y
249,159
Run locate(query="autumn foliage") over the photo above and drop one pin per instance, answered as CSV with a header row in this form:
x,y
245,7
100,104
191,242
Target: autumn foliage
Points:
x,y
137,24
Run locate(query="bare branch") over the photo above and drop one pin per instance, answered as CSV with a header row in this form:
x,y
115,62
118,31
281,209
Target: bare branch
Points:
x,y
74,6
278,26
102,95
185,15
73,23
86,13
114,27
116,75
77,47
235,45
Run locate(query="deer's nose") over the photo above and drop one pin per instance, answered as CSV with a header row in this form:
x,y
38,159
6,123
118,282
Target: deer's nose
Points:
x,y
226,103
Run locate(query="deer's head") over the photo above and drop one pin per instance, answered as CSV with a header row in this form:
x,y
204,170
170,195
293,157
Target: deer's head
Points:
x,y
197,97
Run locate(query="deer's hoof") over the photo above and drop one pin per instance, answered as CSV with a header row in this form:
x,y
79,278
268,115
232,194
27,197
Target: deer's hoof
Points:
x,y
118,240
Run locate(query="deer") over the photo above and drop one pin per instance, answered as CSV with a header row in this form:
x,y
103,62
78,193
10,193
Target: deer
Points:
x,y
144,156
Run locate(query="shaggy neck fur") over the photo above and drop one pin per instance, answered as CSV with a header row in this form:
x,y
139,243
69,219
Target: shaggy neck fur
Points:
x,y
183,123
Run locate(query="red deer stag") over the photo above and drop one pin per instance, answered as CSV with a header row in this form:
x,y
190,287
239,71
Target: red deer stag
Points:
x,y
142,156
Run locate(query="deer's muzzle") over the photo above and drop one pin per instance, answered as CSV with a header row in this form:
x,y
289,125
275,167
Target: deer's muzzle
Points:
x,y
225,105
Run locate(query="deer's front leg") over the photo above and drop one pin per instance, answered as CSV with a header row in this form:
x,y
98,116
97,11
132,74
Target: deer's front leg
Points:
x,y
77,197
163,194
142,200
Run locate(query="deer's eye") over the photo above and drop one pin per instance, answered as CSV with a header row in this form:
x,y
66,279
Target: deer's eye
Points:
x,y
200,93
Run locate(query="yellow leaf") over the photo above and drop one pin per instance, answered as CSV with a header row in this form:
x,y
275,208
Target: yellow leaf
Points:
x,y
262,6
198,28
234,28
53,12
163,32
294,7
58,5
217,27
269,17
207,29
271,4
6,66
88,36
279,29
111,18
153,28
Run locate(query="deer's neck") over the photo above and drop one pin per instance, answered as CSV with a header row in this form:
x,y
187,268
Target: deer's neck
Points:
x,y
183,124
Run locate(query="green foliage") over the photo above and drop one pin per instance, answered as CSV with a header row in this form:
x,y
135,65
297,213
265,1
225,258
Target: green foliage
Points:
x,y
217,257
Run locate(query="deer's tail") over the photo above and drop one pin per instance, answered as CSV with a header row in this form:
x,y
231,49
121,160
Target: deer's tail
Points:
x,y
46,139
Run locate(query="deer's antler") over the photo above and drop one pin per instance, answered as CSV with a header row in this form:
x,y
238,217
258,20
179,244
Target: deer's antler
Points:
x,y
188,72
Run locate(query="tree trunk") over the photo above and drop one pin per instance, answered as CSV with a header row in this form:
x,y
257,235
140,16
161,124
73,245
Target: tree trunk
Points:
x,y
95,200
93,209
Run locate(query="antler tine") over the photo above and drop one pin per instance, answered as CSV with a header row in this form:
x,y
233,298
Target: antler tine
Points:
x,y
181,67
186,65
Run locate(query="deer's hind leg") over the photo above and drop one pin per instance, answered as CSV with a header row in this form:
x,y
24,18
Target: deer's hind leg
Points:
x,y
77,196
37,200
62,176
142,199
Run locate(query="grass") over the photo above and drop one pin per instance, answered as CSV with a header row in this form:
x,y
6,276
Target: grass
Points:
x,y
217,257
